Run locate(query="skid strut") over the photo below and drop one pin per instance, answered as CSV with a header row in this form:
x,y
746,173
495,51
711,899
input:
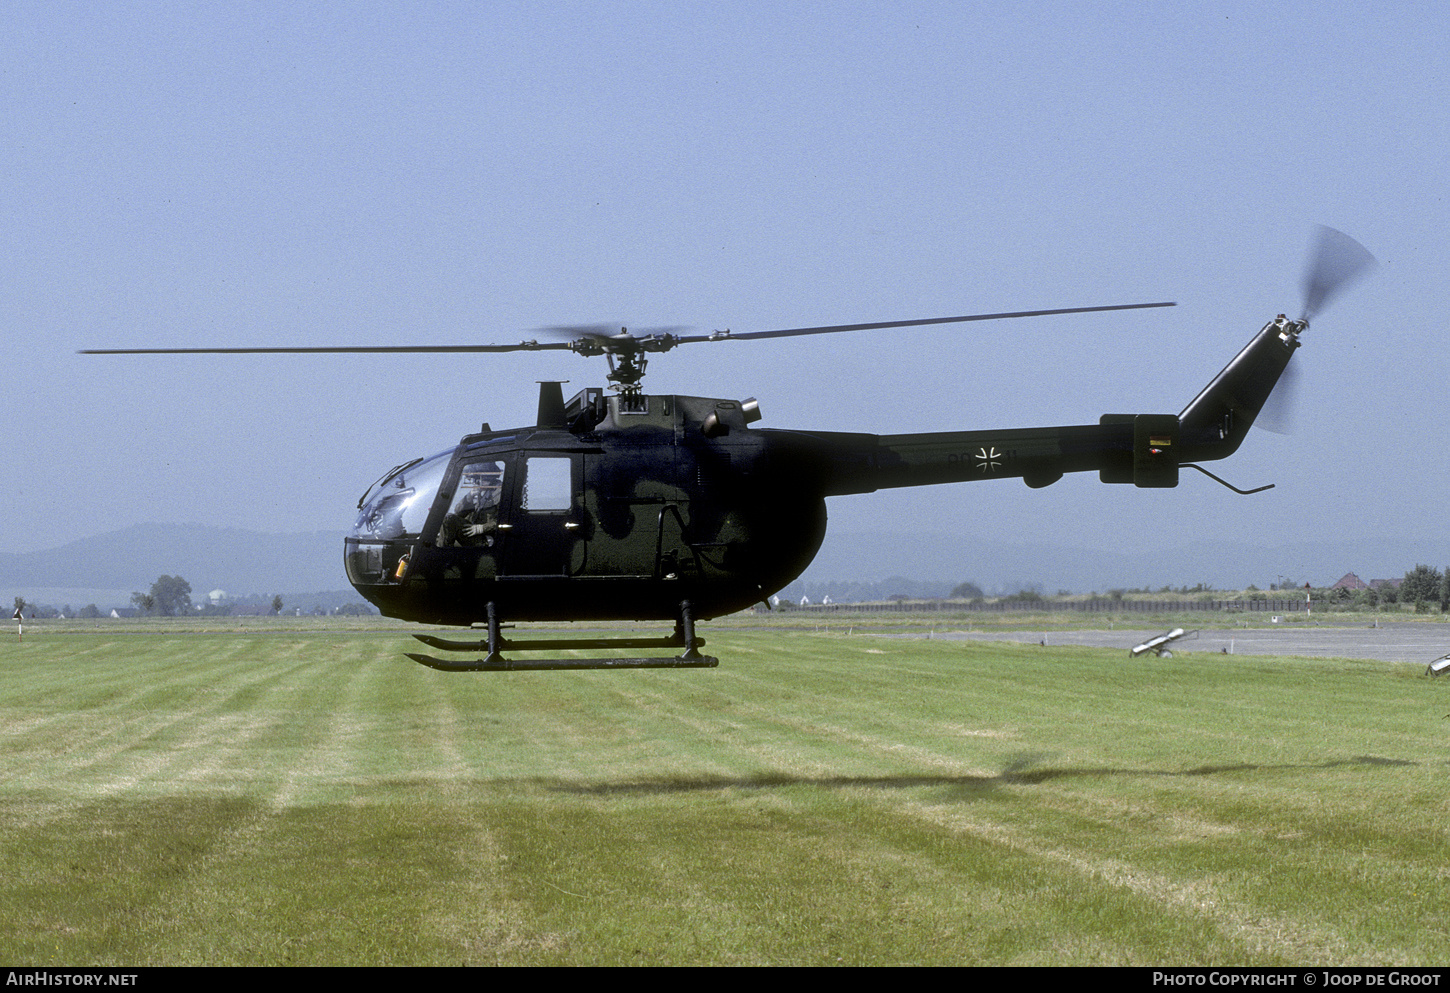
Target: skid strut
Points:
x,y
683,638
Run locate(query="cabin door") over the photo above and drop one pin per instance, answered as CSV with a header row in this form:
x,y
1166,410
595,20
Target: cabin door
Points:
x,y
542,520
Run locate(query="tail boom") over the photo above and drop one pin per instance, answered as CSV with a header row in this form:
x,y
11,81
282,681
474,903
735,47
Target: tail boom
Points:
x,y
1143,449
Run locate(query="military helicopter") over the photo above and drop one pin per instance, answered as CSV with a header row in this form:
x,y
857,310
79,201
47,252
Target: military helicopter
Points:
x,y
624,505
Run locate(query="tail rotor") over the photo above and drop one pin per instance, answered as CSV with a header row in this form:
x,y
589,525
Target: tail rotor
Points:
x,y
1335,261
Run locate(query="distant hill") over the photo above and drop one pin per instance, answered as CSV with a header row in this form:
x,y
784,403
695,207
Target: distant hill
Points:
x,y
238,561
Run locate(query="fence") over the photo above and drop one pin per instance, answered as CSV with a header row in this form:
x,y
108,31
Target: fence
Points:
x,y
1101,606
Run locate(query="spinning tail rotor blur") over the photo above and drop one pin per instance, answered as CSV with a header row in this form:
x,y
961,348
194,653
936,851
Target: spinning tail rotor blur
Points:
x,y
1335,261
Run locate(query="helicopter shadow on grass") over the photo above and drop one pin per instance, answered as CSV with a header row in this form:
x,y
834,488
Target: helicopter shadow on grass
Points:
x,y
1021,770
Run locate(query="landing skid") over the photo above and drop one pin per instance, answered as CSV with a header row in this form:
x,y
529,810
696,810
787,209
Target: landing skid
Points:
x,y
499,664
496,645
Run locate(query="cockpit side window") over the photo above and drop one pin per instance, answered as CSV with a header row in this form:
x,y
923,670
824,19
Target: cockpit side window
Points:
x,y
472,517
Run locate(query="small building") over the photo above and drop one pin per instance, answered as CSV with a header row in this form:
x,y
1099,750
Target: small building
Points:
x,y
1350,582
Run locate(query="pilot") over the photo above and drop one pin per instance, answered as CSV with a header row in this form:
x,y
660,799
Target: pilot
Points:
x,y
473,519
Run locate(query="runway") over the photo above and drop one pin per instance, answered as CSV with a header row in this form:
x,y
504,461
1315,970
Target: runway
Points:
x,y
1415,643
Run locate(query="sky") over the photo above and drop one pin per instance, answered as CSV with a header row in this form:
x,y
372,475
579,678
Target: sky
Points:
x,y
199,174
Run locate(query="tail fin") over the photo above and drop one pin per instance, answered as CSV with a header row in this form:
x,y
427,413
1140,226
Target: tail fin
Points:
x,y
1215,423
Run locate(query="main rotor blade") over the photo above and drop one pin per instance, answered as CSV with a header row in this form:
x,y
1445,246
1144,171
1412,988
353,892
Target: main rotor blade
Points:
x,y
601,333
529,346
882,325
1335,261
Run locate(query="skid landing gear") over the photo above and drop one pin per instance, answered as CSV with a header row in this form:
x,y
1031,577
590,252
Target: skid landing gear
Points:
x,y
683,638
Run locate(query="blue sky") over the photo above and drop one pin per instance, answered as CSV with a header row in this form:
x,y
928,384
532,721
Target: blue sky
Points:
x,y
272,174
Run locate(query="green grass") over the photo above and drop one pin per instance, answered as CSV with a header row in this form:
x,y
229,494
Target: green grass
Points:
x,y
308,796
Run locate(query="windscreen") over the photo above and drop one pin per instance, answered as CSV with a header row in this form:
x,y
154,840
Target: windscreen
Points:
x,y
398,506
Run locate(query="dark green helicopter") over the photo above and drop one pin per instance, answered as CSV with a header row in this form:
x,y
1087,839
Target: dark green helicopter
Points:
x,y
632,506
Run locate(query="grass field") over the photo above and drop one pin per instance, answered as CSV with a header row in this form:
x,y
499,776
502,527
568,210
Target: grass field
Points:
x,y
308,796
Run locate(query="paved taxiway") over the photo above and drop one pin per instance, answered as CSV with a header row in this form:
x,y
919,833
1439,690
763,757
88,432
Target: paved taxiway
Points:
x,y
1405,642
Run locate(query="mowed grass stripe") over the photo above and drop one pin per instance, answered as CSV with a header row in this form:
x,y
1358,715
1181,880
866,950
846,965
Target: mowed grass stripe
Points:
x,y
314,798
101,712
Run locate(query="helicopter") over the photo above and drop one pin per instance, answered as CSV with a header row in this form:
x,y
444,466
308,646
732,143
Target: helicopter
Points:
x,y
619,505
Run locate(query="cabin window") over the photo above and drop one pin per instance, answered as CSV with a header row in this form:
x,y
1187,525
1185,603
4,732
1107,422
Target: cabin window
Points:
x,y
548,484
472,518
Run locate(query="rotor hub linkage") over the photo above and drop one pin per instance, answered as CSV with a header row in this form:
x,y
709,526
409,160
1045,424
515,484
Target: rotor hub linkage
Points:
x,y
625,353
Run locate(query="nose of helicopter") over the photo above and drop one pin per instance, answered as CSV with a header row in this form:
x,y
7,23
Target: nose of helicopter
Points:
x,y
390,518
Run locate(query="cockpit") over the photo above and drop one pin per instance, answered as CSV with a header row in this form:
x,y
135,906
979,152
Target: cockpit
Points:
x,y
392,513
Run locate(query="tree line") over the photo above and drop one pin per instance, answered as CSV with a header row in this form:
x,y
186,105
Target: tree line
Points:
x,y
27,609
169,596
1424,587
